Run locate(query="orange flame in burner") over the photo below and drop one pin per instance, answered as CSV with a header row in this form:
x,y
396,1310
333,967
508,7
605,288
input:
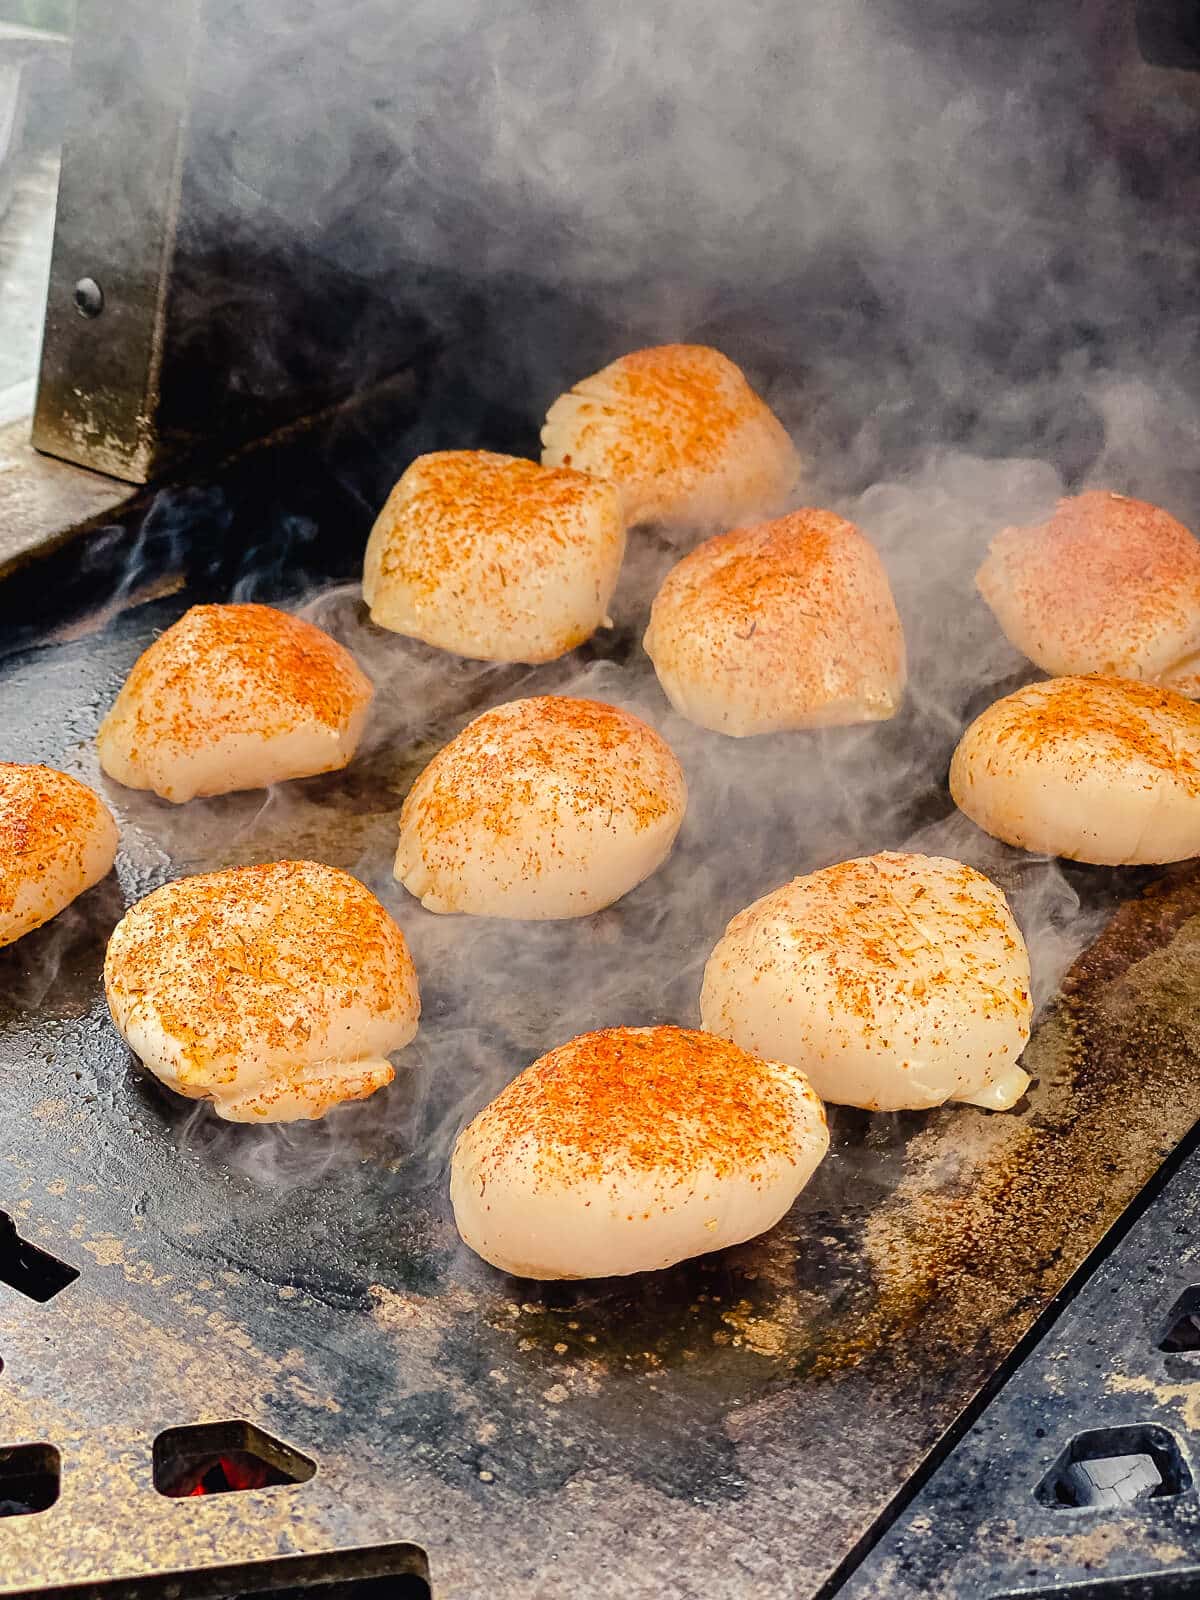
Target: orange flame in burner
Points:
x,y
227,1473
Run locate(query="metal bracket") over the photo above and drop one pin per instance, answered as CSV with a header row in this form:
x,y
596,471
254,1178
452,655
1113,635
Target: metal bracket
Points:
x,y
118,208
189,312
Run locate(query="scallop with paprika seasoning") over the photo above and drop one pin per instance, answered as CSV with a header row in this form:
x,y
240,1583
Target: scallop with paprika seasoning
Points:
x,y
1107,584
680,432
274,992
629,1149
1104,770
57,838
234,697
788,624
542,808
894,981
493,557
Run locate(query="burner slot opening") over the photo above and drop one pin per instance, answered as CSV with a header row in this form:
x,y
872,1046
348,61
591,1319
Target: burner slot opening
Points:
x,y
224,1458
1182,1330
30,1271
1114,1467
29,1478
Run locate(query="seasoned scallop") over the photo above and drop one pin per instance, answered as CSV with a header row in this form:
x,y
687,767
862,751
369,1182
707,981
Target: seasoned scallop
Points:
x,y
57,838
234,697
632,1148
893,981
274,992
1106,585
1105,770
493,557
541,808
789,624
681,433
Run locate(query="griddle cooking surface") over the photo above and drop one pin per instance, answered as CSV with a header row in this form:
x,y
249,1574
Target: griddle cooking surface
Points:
x,y
729,1427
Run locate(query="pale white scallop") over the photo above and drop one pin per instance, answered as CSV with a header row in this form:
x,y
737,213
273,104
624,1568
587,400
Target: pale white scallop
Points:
x,y
893,981
57,838
1105,770
234,697
493,557
274,992
542,808
629,1149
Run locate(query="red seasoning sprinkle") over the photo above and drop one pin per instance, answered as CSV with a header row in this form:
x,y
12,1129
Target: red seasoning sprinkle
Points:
x,y
1111,721
685,401
450,508
257,958
666,1100
253,670
551,754
860,924
48,823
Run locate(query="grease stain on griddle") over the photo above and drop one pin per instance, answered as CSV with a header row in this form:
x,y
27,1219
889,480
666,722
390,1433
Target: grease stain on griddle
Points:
x,y
1185,1396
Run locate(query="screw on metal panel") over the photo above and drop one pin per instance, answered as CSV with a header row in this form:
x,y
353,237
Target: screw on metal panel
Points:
x,y
89,298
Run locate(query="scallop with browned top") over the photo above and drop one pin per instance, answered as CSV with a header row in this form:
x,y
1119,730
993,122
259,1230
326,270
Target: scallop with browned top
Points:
x,y
57,838
1107,584
542,808
493,557
632,1148
234,697
1096,769
275,992
789,624
894,981
680,432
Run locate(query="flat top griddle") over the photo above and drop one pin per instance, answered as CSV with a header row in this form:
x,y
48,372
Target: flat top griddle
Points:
x,y
733,1426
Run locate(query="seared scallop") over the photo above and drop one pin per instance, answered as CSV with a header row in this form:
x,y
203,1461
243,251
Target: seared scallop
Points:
x,y
234,697
789,624
541,808
1106,585
893,981
494,558
1105,770
57,838
274,992
681,433
632,1148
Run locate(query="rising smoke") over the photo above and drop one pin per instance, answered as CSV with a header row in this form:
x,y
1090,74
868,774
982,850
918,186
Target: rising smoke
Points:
x,y
916,224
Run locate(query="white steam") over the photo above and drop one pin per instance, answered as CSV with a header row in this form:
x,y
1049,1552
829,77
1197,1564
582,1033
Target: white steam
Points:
x,y
914,224
497,994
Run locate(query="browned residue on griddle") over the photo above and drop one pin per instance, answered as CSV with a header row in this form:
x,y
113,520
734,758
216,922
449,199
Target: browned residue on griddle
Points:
x,y
992,1212
995,1211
